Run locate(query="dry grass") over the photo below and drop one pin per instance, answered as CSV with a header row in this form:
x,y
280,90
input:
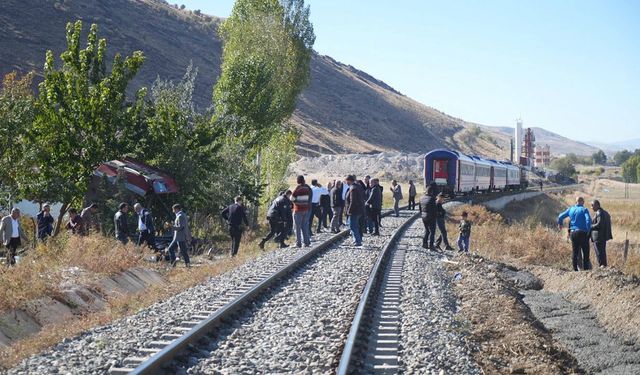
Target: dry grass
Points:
x,y
40,271
40,274
529,243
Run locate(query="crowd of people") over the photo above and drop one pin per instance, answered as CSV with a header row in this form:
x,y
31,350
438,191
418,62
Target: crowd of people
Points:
x,y
351,202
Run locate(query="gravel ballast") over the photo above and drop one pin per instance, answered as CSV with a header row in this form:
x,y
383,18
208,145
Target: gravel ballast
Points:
x,y
432,339
96,350
300,325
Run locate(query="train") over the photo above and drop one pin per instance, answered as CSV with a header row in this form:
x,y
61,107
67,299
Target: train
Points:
x,y
456,173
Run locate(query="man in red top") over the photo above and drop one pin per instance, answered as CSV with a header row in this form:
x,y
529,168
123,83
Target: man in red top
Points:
x,y
301,198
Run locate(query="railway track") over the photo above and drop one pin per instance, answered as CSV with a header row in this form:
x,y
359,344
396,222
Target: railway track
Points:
x,y
153,357
373,344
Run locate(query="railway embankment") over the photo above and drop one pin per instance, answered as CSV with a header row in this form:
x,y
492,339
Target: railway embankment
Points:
x,y
518,293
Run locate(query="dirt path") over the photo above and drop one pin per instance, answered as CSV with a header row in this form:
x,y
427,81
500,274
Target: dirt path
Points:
x,y
576,327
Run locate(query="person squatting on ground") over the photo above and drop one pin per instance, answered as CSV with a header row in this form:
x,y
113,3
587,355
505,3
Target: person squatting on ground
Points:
x,y
337,204
277,218
301,199
465,233
440,221
146,229
396,190
120,223
412,195
579,228
374,205
235,215
600,232
45,222
354,209
11,234
75,224
429,213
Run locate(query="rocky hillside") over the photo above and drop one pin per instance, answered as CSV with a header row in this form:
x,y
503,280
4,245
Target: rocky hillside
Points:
x,y
343,110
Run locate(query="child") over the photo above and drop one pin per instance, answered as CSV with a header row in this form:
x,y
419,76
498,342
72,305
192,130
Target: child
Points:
x,y
465,233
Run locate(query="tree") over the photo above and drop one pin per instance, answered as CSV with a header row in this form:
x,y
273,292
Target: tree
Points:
x,y
182,141
83,119
564,166
621,156
17,111
599,157
630,169
266,58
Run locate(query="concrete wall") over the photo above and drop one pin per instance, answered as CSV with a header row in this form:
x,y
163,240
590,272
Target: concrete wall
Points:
x,y
501,203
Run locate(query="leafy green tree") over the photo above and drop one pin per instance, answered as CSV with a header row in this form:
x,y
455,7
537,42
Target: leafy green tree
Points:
x,y
564,166
266,57
17,111
83,118
276,158
183,142
599,157
630,169
265,65
621,156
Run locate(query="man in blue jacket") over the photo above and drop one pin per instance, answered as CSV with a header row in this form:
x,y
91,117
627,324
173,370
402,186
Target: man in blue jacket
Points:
x,y
579,227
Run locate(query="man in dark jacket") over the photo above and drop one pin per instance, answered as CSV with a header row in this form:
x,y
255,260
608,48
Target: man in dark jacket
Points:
x,y
412,195
120,223
75,224
440,221
354,208
45,222
374,203
337,204
276,216
235,216
288,222
146,229
428,209
600,232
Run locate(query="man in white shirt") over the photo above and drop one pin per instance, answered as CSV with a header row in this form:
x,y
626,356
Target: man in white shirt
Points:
x,y
315,204
11,233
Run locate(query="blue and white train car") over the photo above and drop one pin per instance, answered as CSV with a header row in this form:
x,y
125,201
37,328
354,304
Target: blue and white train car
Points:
x,y
514,180
499,175
484,175
456,173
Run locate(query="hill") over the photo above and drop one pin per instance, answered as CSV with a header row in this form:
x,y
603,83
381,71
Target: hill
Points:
x,y
344,110
559,145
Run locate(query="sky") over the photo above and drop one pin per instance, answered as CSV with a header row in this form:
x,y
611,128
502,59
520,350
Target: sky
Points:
x,y
570,66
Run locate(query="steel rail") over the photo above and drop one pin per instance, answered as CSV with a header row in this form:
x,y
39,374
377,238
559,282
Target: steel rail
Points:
x,y
153,365
348,352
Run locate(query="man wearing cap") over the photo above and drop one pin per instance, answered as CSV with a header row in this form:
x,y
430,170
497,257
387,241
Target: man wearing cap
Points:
x,y
120,223
579,228
87,215
45,222
11,233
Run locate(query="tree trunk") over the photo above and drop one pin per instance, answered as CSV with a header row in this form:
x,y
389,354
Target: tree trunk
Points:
x,y
63,211
256,206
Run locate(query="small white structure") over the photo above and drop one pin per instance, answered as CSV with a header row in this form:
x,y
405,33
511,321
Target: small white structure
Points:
x,y
518,142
